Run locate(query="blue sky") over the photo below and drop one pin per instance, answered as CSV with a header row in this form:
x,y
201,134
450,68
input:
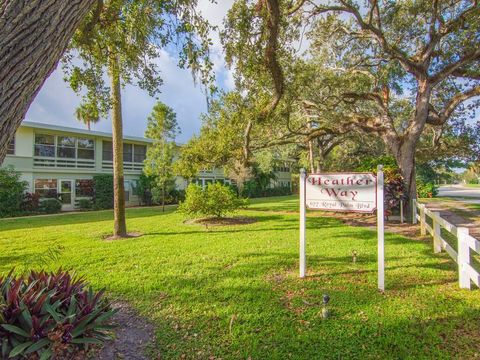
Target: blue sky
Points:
x,y
56,102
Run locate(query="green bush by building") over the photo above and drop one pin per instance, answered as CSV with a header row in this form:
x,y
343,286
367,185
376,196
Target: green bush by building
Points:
x,y
103,191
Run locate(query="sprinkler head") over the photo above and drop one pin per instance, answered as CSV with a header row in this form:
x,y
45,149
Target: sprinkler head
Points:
x,y
326,299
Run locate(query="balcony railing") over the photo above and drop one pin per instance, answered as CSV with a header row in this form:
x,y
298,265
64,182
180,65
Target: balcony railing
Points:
x,y
48,162
127,165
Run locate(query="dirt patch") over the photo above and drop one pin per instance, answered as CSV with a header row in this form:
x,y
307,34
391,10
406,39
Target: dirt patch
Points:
x,y
130,235
370,221
222,221
394,226
132,336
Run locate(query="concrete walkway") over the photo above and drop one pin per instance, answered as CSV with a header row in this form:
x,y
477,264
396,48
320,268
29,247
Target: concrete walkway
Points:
x,y
467,194
457,213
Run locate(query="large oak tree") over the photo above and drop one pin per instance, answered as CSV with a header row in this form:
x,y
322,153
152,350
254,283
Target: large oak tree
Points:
x,y
375,52
34,36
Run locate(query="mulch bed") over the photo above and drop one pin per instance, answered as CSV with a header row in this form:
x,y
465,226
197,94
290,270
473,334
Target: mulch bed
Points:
x,y
130,235
222,221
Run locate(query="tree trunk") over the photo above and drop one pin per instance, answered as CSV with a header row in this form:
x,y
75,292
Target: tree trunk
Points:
x,y
163,198
34,36
406,163
320,158
311,156
119,227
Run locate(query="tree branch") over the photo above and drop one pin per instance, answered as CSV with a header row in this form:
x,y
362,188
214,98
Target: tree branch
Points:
x,y
271,60
439,118
451,68
296,7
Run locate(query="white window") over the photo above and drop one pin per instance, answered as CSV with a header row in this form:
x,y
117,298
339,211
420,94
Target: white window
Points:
x,y
127,152
131,152
44,145
46,188
139,153
64,147
85,149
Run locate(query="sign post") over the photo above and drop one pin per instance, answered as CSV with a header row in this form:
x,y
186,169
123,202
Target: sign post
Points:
x,y
380,229
345,192
303,255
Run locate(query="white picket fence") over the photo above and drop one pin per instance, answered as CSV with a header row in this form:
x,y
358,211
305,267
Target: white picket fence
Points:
x,y
465,243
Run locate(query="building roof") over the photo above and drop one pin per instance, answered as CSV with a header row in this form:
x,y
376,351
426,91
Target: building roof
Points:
x,y
36,125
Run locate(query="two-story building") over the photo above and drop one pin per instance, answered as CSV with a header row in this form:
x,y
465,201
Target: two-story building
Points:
x,y
64,160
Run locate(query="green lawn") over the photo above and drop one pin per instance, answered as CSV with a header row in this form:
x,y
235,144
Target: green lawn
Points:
x,y
233,292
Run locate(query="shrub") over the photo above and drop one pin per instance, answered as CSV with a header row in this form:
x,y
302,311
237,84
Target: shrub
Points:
x,y
85,204
177,196
395,187
194,203
50,206
103,191
144,189
30,202
216,200
172,196
11,192
426,189
221,200
45,315
253,189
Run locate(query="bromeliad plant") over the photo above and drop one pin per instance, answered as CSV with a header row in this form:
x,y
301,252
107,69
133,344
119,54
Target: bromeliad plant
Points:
x,y
45,315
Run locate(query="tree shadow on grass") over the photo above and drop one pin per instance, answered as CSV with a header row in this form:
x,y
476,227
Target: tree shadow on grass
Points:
x,y
286,325
75,218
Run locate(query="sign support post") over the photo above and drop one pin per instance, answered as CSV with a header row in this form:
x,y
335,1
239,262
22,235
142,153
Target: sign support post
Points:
x,y
381,228
344,192
303,256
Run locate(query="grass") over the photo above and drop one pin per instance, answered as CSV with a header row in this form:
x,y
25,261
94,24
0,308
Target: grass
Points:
x,y
234,292
472,185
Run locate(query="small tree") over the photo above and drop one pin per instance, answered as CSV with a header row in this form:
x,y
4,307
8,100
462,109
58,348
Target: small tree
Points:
x,y
12,190
216,200
162,128
122,39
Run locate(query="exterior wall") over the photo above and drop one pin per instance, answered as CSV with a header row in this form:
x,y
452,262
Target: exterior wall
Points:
x,y
24,161
282,179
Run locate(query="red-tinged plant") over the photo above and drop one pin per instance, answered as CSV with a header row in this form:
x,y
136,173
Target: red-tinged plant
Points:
x,y
50,314
31,202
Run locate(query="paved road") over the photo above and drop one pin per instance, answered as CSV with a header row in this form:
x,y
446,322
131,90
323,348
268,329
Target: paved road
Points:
x,y
459,191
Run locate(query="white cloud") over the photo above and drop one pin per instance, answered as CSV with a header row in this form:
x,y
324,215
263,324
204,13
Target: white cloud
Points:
x,y
56,102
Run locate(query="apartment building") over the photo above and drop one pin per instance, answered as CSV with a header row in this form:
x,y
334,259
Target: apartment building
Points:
x,y
64,160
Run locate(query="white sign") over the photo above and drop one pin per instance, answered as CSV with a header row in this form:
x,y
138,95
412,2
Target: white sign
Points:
x,y
341,192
